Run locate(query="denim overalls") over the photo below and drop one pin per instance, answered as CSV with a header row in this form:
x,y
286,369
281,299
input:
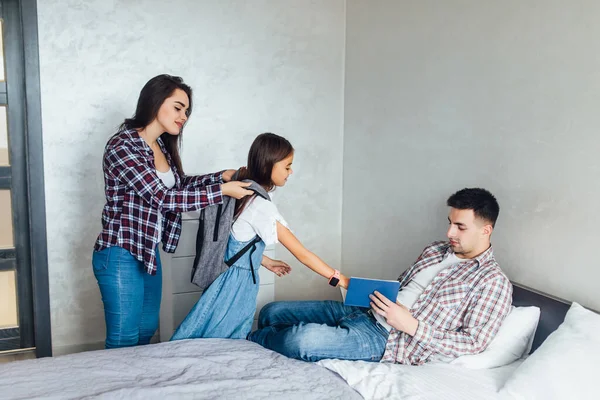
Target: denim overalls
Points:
x,y
226,309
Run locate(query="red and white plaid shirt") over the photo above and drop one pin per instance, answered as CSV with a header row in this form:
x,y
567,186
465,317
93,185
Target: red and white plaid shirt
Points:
x,y
135,195
460,311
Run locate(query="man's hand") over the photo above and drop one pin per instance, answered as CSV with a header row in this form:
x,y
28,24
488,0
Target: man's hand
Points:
x,y
395,314
277,267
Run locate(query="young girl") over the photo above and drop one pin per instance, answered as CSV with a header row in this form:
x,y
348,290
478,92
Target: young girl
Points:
x,y
226,309
146,191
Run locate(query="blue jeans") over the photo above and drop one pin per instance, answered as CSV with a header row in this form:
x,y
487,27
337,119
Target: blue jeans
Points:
x,y
131,297
316,330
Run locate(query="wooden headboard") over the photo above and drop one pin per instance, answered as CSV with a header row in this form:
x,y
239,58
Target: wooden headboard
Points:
x,y
552,310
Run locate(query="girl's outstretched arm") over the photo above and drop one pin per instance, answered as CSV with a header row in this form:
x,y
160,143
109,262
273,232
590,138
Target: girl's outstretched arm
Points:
x,y
306,257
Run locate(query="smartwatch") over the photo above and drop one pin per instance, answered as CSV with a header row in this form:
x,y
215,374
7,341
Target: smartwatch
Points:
x,y
335,278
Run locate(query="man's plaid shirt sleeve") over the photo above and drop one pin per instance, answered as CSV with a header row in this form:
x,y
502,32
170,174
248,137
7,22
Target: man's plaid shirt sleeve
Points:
x,y
131,168
481,322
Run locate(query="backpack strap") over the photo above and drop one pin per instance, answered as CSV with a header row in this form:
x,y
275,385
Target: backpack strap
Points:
x,y
217,223
252,264
199,239
243,251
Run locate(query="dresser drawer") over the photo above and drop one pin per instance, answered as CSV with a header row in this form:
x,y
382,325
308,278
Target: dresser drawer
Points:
x,y
181,275
179,295
266,294
187,241
266,276
186,216
182,304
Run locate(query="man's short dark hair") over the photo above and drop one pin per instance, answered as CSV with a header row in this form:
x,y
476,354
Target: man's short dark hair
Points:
x,y
482,202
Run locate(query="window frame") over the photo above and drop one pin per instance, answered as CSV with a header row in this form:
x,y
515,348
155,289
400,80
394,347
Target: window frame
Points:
x,y
25,175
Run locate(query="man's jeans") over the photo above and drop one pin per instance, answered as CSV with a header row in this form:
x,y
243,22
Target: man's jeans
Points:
x,y
131,296
316,330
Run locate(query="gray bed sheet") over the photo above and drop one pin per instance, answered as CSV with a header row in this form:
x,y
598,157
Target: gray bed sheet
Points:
x,y
187,369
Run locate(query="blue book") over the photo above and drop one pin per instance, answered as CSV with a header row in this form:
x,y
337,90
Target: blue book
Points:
x,y
359,290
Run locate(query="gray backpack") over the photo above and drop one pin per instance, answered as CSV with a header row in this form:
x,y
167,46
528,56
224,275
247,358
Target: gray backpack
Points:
x,y
213,235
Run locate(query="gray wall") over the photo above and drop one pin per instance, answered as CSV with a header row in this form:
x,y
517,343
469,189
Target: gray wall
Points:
x,y
438,96
500,94
257,66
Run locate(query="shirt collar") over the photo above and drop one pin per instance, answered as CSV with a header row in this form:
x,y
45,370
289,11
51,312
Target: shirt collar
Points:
x,y
480,259
161,145
141,143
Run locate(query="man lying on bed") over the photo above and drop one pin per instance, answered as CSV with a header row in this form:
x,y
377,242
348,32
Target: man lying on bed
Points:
x,y
451,303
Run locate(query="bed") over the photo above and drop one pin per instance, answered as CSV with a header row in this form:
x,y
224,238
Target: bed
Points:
x,y
186,369
375,381
238,369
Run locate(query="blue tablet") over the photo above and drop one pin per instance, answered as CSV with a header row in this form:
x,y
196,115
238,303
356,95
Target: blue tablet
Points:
x,y
359,290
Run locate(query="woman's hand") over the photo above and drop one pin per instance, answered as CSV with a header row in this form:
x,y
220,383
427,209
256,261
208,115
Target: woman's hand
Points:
x,y
236,189
228,174
277,267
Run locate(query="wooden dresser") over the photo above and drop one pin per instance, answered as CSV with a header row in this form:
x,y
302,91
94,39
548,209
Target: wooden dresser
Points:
x,y
179,295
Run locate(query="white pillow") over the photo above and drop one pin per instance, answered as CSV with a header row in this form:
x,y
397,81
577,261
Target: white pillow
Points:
x,y
565,366
513,341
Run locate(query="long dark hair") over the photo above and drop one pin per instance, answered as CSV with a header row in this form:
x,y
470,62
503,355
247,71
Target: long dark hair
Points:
x,y
266,150
153,95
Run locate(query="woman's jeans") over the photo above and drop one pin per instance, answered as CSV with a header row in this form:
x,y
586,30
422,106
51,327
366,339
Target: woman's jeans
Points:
x,y
130,295
315,330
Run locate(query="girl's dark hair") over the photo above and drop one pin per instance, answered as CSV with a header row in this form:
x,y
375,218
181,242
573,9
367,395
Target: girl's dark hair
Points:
x,y
153,95
266,150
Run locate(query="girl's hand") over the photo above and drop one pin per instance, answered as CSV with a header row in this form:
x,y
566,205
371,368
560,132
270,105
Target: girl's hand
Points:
x,y
344,281
277,267
227,175
236,189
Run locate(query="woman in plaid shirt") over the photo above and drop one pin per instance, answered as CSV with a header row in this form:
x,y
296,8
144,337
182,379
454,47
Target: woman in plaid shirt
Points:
x,y
146,192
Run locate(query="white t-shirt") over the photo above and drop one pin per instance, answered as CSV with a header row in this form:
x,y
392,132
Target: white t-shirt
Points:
x,y
168,179
411,292
260,218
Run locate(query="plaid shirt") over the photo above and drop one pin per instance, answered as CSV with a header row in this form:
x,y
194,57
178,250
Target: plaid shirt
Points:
x,y
135,195
459,313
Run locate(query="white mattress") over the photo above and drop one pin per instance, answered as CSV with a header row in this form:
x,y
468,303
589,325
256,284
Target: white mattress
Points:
x,y
434,381
187,369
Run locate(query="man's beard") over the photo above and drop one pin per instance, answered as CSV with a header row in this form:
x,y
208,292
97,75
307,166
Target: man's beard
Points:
x,y
458,249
